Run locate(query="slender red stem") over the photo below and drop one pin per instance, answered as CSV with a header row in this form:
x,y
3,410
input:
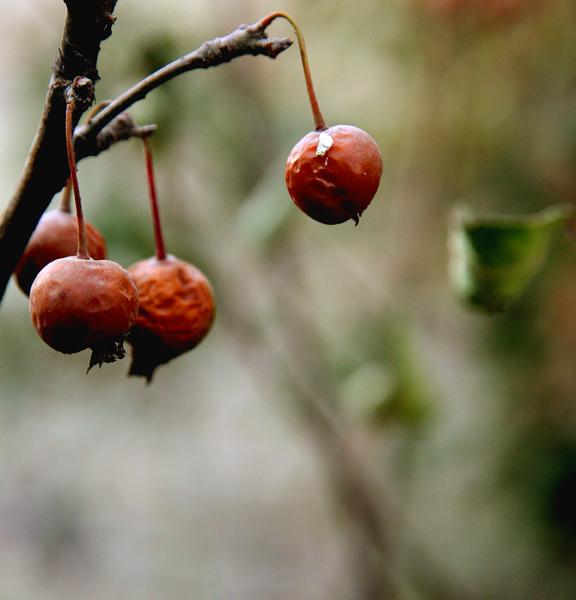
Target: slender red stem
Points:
x,y
318,118
160,249
82,246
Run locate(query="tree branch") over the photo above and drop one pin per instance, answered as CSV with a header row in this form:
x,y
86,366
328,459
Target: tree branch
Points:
x,y
246,40
88,22
121,128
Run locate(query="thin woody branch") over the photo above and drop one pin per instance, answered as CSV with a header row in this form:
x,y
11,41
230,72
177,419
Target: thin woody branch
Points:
x,y
121,128
88,23
246,40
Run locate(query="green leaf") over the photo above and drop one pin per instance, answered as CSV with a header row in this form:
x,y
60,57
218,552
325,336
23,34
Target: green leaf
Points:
x,y
494,257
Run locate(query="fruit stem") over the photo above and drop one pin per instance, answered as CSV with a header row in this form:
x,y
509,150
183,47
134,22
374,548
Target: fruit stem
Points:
x,y
160,249
64,205
319,121
96,109
82,245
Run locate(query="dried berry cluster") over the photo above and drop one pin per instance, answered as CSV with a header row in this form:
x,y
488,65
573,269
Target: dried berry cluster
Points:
x,y
164,306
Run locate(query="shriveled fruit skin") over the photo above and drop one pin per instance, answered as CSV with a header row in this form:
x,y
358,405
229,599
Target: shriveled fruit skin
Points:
x,y
340,184
80,303
55,236
177,310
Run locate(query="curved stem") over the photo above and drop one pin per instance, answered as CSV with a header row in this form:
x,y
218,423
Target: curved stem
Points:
x,y
82,246
158,236
318,118
96,109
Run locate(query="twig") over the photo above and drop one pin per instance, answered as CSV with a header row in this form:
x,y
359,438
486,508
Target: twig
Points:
x,y
121,128
246,40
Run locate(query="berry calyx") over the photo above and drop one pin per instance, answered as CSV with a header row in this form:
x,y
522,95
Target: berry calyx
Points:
x,y
176,312
332,173
337,184
55,236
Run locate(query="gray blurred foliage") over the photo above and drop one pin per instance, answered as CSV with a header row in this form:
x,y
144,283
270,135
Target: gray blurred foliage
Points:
x,y
348,430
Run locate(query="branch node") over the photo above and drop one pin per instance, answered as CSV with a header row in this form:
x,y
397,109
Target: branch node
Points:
x,y
120,128
80,93
212,52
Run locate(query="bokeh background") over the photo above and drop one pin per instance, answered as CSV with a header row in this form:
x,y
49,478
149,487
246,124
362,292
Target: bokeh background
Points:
x,y
349,430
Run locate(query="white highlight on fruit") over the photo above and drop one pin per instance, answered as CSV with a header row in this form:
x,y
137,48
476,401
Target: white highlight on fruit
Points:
x,y
324,143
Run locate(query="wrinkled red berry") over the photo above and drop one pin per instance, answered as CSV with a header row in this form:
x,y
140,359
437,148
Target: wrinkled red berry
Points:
x,y
176,312
55,236
339,184
78,303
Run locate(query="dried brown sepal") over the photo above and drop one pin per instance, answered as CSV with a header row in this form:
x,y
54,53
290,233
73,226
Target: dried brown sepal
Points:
x,y
107,351
148,354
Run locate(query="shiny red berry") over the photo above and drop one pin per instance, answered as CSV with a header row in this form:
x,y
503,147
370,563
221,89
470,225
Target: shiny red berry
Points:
x,y
78,303
55,236
336,180
176,312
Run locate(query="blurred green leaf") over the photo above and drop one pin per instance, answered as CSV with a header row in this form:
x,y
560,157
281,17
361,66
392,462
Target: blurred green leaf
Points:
x,y
494,257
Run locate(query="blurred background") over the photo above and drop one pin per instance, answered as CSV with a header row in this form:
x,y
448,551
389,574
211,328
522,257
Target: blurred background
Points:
x,y
349,430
